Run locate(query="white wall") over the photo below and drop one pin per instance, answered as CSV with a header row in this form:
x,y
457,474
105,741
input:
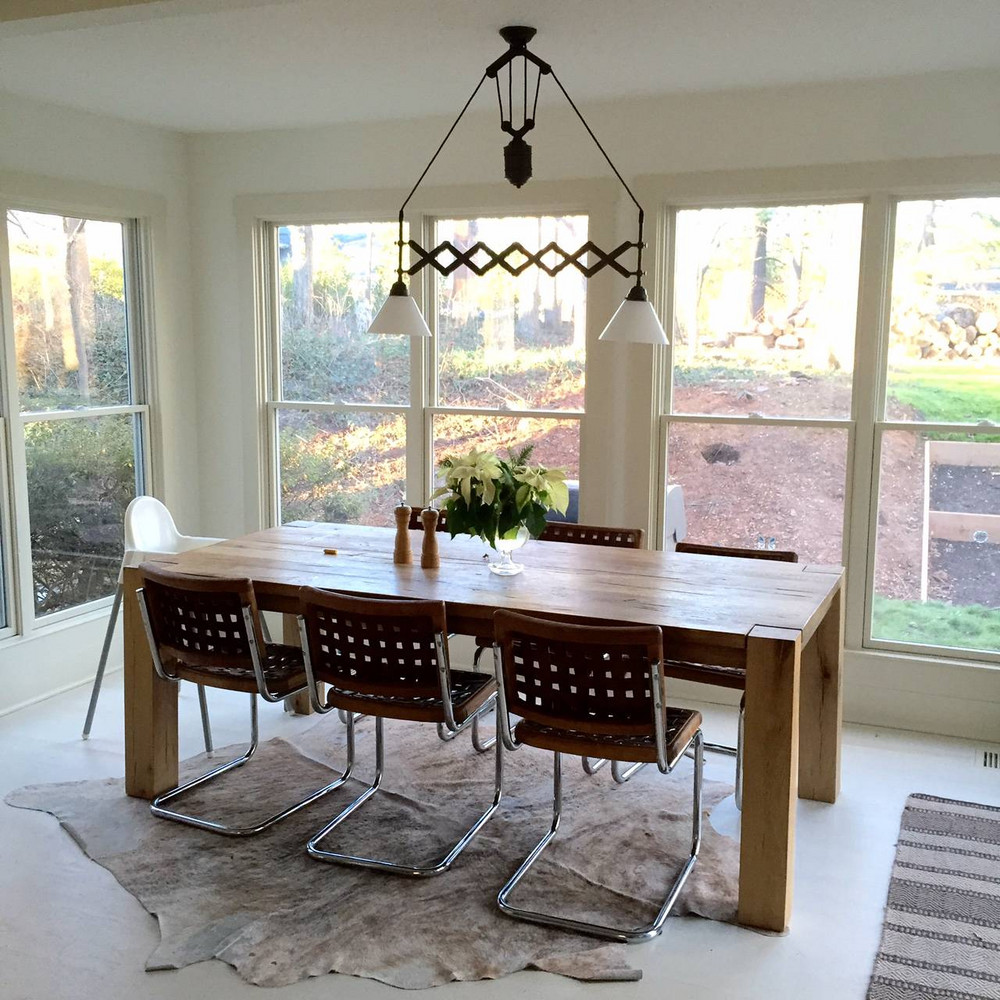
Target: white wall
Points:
x,y
53,155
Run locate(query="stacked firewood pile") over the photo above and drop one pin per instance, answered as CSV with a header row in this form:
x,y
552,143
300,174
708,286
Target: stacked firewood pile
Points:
x,y
960,332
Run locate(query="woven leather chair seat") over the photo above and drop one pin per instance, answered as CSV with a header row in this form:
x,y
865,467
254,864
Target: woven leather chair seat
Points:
x,y
469,692
283,671
681,725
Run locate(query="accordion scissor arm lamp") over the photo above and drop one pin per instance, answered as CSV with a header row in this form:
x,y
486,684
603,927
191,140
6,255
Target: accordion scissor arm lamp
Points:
x,y
518,75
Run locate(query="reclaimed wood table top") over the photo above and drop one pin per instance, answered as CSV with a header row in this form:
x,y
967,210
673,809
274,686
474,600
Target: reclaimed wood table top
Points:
x,y
699,599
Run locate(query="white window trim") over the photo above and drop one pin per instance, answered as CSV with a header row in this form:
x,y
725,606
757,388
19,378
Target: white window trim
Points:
x,y
260,216
22,621
878,186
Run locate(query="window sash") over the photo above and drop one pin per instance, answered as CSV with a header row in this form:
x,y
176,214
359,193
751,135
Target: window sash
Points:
x,y
18,576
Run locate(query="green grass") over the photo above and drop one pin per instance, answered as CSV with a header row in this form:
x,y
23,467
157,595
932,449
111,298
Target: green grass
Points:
x,y
948,396
934,623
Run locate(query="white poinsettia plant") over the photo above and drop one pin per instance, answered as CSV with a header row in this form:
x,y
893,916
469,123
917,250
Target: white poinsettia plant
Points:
x,y
493,498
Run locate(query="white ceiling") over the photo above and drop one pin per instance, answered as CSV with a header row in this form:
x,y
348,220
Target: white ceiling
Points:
x,y
216,65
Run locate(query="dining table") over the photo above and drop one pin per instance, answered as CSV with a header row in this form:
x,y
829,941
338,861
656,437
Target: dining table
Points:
x,y
781,622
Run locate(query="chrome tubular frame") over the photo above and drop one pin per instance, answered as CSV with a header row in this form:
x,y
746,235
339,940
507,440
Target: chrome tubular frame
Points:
x,y
592,766
478,743
449,729
158,809
503,717
158,805
736,751
626,935
415,871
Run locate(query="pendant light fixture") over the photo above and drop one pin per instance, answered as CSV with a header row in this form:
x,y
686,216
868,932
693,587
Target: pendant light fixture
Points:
x,y
517,74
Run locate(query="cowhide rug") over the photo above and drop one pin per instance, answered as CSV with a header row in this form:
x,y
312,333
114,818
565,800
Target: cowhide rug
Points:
x,y
277,916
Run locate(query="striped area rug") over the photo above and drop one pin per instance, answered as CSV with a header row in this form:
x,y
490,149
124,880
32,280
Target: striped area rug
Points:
x,y
941,936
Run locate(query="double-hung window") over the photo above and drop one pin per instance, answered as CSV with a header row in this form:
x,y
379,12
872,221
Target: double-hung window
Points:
x,y
934,572
758,425
340,398
76,403
510,359
357,421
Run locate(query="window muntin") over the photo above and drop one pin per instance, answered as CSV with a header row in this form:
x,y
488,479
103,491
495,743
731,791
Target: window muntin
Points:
x,y
944,326
765,304
332,280
81,400
506,342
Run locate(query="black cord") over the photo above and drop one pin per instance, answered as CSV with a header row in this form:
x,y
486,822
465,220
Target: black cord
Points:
x,y
443,141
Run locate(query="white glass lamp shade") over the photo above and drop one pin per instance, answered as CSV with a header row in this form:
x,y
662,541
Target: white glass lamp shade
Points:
x,y
399,315
635,321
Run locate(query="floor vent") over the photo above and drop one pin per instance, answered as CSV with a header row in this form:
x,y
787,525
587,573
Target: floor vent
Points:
x,y
988,757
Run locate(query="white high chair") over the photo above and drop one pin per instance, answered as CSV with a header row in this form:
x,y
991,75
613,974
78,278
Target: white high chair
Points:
x,y
149,531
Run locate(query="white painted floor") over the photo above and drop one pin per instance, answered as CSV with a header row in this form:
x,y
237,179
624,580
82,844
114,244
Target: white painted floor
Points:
x,y
68,930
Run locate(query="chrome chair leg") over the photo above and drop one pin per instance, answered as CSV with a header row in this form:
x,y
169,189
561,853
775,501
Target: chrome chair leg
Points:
x,y
103,662
478,743
446,735
206,725
736,751
630,935
622,774
739,755
158,807
95,693
416,871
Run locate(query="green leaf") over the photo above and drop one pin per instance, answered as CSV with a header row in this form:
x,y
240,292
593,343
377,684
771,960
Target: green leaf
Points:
x,y
534,519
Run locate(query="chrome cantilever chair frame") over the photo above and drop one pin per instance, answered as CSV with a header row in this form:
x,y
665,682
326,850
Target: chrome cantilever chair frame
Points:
x,y
451,728
695,749
158,806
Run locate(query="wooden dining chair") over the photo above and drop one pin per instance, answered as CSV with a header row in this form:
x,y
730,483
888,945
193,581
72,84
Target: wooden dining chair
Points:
x,y
773,555
417,525
389,659
593,534
734,678
208,631
592,690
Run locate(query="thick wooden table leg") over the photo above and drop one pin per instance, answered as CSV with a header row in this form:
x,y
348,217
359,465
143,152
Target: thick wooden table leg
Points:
x,y
290,637
821,707
770,778
150,708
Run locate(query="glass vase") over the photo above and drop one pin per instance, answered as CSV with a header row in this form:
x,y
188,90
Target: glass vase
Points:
x,y
503,564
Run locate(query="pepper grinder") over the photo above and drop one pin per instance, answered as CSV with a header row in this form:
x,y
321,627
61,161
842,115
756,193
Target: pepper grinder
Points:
x,y
401,553
429,555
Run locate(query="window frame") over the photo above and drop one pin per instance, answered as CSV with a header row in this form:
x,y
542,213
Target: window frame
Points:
x,y
15,529
668,252
269,352
267,215
879,187
882,425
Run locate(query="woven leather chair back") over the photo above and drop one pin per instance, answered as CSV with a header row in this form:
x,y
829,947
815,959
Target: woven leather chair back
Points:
x,y
198,622
374,647
579,678
591,534
774,555
417,525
